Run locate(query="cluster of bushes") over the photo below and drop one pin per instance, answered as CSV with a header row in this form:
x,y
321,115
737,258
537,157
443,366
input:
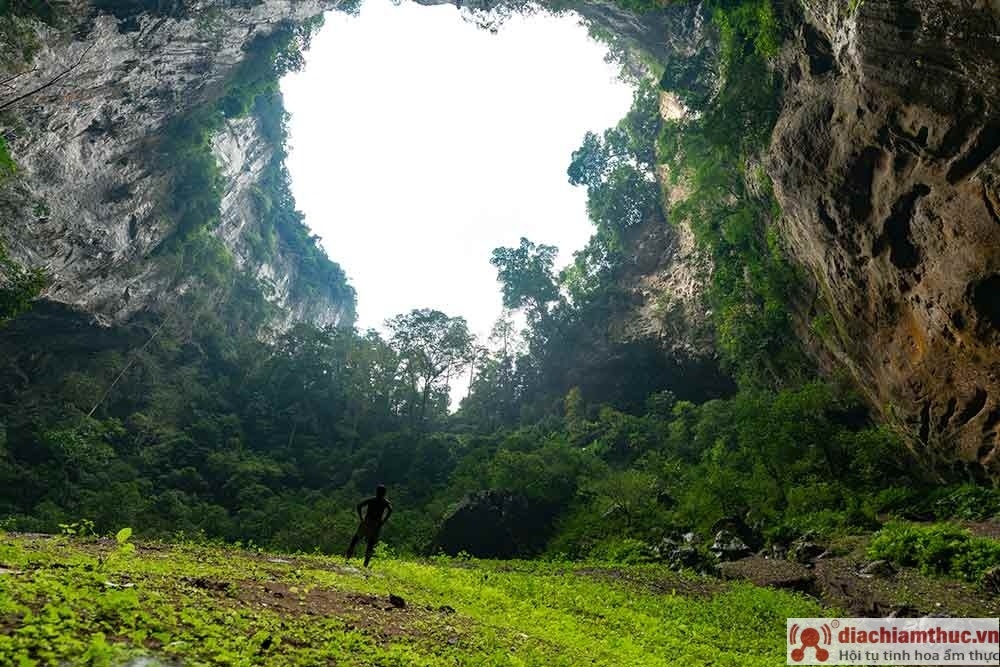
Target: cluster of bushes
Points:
x,y
7,165
940,548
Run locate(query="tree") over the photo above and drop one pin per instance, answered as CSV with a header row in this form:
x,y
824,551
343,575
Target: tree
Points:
x,y
526,275
433,347
589,162
18,286
619,168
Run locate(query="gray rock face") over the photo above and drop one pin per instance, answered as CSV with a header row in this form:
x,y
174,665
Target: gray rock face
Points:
x,y
886,166
728,547
89,202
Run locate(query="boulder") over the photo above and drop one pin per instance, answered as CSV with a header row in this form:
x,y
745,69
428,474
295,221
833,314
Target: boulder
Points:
x,y
494,524
805,550
877,569
729,547
991,580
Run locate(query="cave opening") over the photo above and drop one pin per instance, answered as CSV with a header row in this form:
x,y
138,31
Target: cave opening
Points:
x,y
420,141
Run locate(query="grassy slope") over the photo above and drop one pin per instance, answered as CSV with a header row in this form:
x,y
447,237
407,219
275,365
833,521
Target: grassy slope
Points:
x,y
213,605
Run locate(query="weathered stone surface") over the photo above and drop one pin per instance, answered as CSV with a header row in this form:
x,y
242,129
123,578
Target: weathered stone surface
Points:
x,y
728,547
89,204
886,166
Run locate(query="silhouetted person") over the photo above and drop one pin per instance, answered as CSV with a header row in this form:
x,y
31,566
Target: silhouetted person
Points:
x,y
371,522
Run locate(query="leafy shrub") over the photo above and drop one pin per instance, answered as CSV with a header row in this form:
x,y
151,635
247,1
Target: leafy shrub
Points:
x,y
974,503
940,548
622,550
18,286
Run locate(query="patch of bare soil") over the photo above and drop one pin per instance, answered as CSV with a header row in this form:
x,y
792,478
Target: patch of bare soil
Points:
x,y
989,529
666,583
386,617
843,583
904,593
770,572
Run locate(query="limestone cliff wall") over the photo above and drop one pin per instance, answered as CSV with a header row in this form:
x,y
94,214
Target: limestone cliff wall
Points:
x,y
885,159
886,163
89,200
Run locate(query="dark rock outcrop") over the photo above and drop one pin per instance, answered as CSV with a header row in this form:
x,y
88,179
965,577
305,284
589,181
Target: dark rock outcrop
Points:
x,y
886,164
494,524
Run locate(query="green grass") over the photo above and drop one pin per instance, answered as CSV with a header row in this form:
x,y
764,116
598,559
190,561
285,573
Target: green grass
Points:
x,y
70,600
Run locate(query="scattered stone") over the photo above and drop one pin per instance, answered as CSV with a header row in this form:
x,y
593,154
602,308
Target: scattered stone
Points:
x,y
777,552
7,570
283,561
206,584
804,550
111,584
878,568
396,601
991,580
733,524
729,547
905,611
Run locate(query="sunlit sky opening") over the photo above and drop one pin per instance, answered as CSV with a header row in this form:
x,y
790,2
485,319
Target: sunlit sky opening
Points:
x,y
420,142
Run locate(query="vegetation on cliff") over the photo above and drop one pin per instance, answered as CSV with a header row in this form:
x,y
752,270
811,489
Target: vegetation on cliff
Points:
x,y
220,431
197,189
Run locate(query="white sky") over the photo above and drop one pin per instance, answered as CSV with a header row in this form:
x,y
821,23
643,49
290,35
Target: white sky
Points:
x,y
420,143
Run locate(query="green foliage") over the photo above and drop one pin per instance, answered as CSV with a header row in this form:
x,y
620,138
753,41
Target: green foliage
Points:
x,y
18,286
431,346
941,548
81,528
205,605
618,169
969,502
7,165
526,277
745,22
731,210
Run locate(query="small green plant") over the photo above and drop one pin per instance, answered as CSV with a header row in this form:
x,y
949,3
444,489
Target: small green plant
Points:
x,y
82,528
823,325
123,549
